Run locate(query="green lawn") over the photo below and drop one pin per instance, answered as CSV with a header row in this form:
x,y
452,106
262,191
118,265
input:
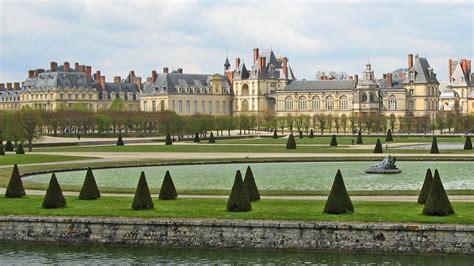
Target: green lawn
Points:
x,y
30,158
298,210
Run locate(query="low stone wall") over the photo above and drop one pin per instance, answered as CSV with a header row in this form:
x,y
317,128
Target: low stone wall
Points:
x,y
241,234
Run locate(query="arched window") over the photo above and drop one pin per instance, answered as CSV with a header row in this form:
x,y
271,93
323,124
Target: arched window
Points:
x,y
302,103
329,103
245,90
364,97
372,97
315,103
288,103
343,104
245,106
392,103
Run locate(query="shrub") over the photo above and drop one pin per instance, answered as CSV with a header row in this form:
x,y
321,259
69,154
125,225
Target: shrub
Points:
x,y
301,134
291,143
468,143
437,203
212,139
311,133
168,191
378,147
333,141
168,140
251,186
2,151
119,140
19,149
338,201
389,136
142,199
15,187
359,138
89,190
434,146
275,134
239,200
54,195
196,137
9,146
425,189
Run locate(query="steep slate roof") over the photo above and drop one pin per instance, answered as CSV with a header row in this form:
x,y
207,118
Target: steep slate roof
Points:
x,y
421,66
241,72
167,83
318,85
459,78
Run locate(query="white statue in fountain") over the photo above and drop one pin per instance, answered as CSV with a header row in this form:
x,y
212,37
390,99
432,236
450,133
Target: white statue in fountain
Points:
x,y
386,166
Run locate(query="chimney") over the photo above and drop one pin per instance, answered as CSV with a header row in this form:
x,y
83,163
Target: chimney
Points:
x,y
410,61
180,70
285,66
154,76
137,81
35,73
31,74
9,86
356,78
263,63
102,82
389,79
384,76
2,86
117,80
76,66
16,85
132,73
468,66
237,62
66,66
89,72
53,66
351,77
450,68
97,75
165,70
255,54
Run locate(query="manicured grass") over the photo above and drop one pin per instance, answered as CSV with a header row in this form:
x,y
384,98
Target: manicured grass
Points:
x,y
30,158
298,210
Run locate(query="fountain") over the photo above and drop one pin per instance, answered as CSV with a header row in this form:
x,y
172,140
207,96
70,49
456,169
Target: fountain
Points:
x,y
386,166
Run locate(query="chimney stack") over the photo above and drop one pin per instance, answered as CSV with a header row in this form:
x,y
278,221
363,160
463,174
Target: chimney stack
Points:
x,y
384,76
97,75
9,86
66,66
16,85
180,70
117,80
89,73
450,68
53,66
255,54
468,66
2,86
285,66
263,63
35,73
165,70
76,66
237,62
132,73
31,74
410,61
102,82
154,76
356,78
389,79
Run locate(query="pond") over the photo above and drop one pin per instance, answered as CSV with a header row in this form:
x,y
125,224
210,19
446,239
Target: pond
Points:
x,y
441,146
295,176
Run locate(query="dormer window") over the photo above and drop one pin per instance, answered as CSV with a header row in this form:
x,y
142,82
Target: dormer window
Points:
x,y
201,90
411,75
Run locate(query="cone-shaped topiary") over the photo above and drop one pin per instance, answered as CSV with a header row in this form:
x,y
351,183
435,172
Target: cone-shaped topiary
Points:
x,y
434,146
275,134
251,186
333,141
2,151
119,140
291,143
89,190
54,195
311,133
168,140
168,191
425,189
468,143
437,202
389,136
142,199
19,149
196,137
359,138
9,146
239,200
338,201
378,147
15,187
212,139
301,134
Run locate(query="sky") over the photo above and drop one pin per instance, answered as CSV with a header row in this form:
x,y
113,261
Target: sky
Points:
x,y
118,36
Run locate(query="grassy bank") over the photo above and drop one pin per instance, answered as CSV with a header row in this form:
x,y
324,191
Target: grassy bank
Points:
x,y
30,158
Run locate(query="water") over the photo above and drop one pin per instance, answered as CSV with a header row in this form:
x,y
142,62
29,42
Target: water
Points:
x,y
298,176
22,254
441,146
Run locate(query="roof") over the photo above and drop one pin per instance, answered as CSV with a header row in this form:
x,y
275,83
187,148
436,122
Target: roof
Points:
x,y
168,83
318,85
422,72
459,78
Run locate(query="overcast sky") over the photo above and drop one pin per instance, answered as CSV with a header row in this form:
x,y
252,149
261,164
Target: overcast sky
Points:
x,y
118,36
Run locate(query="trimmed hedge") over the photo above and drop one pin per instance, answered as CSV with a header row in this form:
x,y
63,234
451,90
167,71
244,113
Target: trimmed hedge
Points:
x,y
291,143
425,189
19,149
239,200
468,143
2,151
359,138
167,190
15,187
437,203
251,186
54,195
389,136
212,139
378,147
311,134
338,200
434,146
89,190
275,134
120,141
333,141
301,134
142,199
196,137
168,140
9,146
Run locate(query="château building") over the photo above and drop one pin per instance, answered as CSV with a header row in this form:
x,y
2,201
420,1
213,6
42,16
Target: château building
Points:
x,y
457,94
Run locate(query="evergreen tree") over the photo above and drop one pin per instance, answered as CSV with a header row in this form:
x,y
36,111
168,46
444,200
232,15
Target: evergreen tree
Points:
x,y
434,146
301,134
168,191
212,139
311,133
120,141
378,147
15,187
239,200
251,186
291,143
90,190
468,143
389,136
196,137
9,146
437,202
359,138
54,195
168,140
338,201
2,151
142,199
19,149
275,134
333,141
425,189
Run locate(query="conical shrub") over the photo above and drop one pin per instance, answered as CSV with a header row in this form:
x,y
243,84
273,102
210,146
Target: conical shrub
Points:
x,y
196,137
54,195
239,200
9,146
15,187
2,151
468,143
291,143
338,201
333,141
90,190
251,186
275,134
434,146
142,199
389,136
359,138
301,134
19,149
378,147
311,133
168,140
168,191
425,189
212,139
437,203
119,140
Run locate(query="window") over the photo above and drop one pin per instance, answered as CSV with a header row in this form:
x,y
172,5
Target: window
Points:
x,y
343,103
315,103
153,106
223,107
411,93
411,105
195,106
144,106
245,106
302,103
288,103
188,106
218,107
173,106
329,103
180,106
162,105
209,107
392,103
245,90
203,107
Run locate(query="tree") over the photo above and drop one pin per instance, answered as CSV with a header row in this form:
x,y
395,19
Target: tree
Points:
x,y
338,201
15,187
389,136
30,121
378,147
168,140
275,134
89,190
359,138
425,189
311,134
291,143
168,190
142,199
196,137
440,123
19,149
322,122
251,186
434,146
437,202
118,105
239,200
54,195
329,120
353,121
468,143
212,139
120,141
344,123
392,119
333,141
